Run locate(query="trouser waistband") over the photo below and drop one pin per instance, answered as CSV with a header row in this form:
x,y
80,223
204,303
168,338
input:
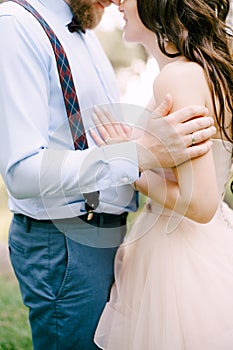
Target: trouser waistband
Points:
x,y
98,220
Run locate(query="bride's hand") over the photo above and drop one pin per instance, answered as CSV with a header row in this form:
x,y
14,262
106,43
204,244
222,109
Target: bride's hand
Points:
x,y
110,131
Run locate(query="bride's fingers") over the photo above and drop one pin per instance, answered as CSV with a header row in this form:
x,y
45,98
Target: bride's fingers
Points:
x,y
113,127
97,139
122,130
102,118
103,131
127,130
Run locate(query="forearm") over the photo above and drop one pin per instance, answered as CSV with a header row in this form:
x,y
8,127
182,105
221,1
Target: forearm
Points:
x,y
192,195
56,173
158,188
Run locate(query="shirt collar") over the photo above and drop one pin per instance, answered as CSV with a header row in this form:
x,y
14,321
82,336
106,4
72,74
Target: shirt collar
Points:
x,y
60,7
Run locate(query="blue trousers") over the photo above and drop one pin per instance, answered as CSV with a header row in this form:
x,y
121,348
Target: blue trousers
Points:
x,y
64,283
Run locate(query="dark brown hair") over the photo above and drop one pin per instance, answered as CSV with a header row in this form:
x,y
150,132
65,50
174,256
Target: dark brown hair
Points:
x,y
197,29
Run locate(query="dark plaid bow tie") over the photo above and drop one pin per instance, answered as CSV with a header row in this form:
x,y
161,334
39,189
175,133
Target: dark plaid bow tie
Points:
x,y
76,26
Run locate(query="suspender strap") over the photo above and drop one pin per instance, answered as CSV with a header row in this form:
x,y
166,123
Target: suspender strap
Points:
x,y
70,97
66,80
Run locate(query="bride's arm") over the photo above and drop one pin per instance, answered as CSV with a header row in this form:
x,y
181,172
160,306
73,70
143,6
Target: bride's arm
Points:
x,y
195,193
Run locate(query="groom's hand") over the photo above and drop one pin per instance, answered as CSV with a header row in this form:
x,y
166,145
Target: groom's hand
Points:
x,y
171,139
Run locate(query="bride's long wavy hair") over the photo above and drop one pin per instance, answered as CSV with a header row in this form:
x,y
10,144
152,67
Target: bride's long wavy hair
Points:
x,y
198,30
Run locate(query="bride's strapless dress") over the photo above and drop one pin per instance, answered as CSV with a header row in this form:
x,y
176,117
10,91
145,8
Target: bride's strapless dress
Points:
x,y
174,280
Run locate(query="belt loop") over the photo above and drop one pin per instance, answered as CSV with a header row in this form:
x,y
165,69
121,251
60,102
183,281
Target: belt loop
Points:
x,y
27,223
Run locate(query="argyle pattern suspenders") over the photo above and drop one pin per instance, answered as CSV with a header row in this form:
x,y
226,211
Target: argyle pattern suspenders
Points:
x,y
70,98
66,80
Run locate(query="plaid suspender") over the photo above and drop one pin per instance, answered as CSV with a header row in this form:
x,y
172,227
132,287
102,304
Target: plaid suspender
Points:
x,y
70,97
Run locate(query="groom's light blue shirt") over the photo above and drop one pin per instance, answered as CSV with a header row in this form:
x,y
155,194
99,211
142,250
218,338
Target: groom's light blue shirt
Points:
x,y
44,174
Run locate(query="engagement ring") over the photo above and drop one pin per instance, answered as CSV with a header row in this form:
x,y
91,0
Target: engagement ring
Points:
x,y
107,139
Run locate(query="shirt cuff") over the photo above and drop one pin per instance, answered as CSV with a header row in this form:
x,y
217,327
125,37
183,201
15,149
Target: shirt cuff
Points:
x,y
123,161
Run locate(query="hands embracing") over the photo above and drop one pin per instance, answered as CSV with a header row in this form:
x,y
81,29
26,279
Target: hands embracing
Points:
x,y
165,140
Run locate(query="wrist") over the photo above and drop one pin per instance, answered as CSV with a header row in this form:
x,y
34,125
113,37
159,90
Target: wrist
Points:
x,y
146,159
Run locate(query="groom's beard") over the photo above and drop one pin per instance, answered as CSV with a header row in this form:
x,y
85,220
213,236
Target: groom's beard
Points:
x,y
87,12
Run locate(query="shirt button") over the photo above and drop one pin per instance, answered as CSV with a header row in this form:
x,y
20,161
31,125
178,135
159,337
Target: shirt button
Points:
x,y
125,180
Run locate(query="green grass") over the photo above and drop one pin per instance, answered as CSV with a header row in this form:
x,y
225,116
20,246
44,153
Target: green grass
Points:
x,y
14,326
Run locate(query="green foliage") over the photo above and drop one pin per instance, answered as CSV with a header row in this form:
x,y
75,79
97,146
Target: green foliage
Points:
x,y
14,326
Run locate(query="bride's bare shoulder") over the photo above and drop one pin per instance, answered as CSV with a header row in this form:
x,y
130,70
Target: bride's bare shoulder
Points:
x,y
181,78
181,68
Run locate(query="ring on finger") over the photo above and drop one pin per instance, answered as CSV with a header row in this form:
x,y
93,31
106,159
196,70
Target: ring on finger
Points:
x,y
107,139
193,139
